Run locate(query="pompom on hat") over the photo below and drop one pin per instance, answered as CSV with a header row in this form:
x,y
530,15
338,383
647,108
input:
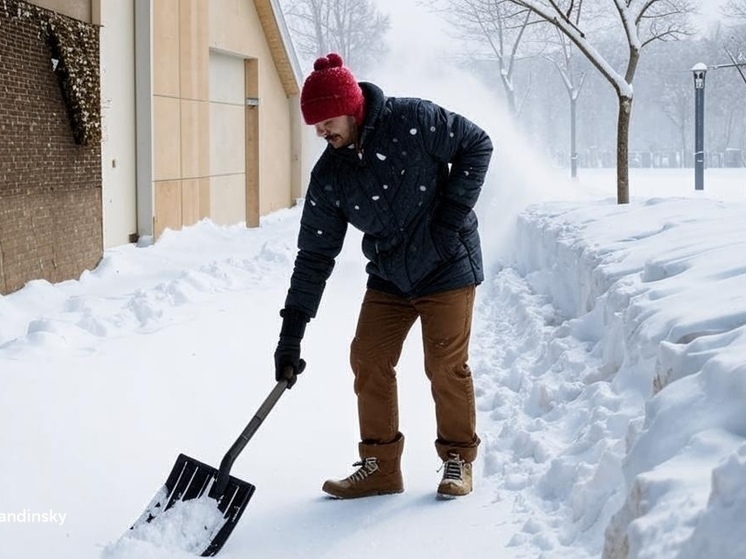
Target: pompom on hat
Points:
x,y
330,91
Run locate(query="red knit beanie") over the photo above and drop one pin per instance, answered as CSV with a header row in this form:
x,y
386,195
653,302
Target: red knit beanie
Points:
x,y
330,91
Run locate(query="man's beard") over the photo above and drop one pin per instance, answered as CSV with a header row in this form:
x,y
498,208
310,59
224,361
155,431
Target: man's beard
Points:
x,y
337,141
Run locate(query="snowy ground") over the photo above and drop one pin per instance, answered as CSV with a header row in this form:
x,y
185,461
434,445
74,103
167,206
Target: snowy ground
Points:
x,y
608,355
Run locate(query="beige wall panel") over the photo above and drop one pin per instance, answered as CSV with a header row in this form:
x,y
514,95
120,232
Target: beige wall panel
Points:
x,y
301,169
235,27
166,49
228,199
275,154
195,139
227,133
194,49
312,147
226,78
204,197
274,170
167,206
190,201
166,138
227,138
78,9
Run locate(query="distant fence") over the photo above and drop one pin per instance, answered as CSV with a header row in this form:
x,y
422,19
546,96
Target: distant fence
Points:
x,y
730,158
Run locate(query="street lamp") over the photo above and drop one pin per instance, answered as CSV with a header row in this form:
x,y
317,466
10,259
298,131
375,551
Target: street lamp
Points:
x,y
699,71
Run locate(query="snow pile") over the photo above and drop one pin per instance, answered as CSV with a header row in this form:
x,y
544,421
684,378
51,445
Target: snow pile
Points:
x,y
188,526
655,290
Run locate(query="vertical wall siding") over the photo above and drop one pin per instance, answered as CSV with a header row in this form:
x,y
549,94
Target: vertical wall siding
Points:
x,y
50,187
181,113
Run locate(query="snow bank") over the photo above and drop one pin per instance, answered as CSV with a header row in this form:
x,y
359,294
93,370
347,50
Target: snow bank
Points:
x,y
658,289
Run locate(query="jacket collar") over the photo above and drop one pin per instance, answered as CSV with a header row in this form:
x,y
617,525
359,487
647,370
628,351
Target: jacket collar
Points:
x,y
374,103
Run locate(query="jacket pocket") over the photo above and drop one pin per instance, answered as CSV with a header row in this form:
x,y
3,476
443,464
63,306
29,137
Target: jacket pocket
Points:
x,y
422,256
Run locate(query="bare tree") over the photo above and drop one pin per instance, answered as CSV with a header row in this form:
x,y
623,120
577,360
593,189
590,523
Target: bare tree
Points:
x,y
735,12
492,30
353,28
564,59
735,9
642,22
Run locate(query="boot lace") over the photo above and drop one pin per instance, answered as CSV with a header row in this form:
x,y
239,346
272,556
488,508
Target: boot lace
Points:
x,y
367,466
453,468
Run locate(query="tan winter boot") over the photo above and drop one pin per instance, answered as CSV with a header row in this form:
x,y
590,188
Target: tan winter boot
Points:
x,y
379,473
456,480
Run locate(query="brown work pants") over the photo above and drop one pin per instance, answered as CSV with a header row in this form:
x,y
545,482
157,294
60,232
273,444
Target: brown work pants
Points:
x,y
383,325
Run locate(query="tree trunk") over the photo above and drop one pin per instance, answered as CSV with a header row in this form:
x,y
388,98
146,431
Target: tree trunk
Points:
x,y
509,94
573,137
622,150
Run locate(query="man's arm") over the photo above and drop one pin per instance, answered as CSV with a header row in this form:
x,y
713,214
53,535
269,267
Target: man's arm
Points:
x,y
454,139
320,240
321,237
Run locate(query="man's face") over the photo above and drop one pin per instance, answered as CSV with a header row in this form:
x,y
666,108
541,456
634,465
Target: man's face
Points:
x,y
339,131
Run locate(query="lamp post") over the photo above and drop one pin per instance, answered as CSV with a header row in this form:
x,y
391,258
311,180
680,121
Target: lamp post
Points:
x,y
699,71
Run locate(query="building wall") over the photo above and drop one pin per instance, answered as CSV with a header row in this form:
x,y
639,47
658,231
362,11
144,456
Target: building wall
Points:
x,y
118,157
181,125
82,10
153,157
229,22
213,154
228,136
50,187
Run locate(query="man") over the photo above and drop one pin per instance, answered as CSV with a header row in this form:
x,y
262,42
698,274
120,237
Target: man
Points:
x,y
407,173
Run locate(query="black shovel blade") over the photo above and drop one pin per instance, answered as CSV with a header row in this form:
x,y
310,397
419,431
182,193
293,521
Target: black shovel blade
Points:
x,y
191,479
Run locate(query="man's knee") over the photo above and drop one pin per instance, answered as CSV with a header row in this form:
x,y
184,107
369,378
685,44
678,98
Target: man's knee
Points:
x,y
361,350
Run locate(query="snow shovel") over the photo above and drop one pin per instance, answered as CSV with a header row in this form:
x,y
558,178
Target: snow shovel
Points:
x,y
190,479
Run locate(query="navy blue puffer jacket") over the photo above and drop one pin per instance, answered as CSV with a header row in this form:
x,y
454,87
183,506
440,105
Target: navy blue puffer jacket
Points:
x,y
410,188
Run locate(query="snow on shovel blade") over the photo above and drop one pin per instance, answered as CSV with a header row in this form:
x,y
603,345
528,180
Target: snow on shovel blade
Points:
x,y
199,506
202,517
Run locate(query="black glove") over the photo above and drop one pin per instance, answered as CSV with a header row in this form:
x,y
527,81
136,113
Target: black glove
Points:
x,y
288,363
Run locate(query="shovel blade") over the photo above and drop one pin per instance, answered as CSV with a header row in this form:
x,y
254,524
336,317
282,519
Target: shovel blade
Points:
x,y
191,479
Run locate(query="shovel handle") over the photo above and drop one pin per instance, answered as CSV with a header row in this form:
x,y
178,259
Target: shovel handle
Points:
x,y
227,463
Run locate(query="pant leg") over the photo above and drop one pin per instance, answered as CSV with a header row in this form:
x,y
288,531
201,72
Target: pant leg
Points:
x,y
383,324
446,329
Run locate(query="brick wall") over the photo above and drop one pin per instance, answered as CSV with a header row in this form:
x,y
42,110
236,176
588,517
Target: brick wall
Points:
x,y
50,187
